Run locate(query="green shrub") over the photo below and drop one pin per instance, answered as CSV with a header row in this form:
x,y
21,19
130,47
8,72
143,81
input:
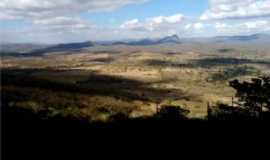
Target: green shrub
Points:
x,y
233,72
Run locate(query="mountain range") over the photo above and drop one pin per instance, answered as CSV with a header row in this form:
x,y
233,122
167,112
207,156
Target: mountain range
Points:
x,y
40,50
241,38
144,42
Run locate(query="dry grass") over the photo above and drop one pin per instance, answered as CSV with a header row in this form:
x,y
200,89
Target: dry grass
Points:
x,y
186,71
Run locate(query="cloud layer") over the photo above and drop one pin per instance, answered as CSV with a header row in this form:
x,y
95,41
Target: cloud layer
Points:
x,y
224,9
154,23
62,20
242,28
67,24
14,9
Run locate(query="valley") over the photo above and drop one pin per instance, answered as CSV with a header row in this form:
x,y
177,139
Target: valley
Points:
x,y
101,80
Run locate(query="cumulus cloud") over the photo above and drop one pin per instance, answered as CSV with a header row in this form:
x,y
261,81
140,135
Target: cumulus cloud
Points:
x,y
14,9
169,19
131,24
154,23
194,26
63,23
226,9
244,27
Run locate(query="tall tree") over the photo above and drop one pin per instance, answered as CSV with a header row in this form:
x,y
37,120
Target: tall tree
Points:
x,y
254,95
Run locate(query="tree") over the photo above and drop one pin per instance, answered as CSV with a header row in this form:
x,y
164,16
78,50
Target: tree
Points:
x,y
253,96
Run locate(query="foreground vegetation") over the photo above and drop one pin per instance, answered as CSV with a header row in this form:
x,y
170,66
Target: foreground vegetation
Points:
x,y
99,83
103,98
98,99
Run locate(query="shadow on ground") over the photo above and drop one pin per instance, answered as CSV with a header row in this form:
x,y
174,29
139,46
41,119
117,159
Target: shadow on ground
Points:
x,y
206,63
33,134
94,84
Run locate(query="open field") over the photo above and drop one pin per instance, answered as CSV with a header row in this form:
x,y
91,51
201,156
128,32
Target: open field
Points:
x,y
101,81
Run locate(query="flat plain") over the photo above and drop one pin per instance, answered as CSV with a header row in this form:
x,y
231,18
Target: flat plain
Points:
x,y
100,81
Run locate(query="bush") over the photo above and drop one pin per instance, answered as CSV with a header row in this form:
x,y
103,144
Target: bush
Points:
x,y
172,113
232,72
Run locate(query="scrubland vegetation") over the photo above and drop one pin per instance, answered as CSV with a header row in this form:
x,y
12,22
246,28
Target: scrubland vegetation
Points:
x,y
99,83
102,96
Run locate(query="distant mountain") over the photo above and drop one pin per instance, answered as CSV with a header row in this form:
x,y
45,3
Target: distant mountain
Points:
x,y
28,49
64,47
246,38
142,42
23,50
145,42
170,39
20,47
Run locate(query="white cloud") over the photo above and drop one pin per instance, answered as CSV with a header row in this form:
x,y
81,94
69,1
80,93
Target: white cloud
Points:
x,y
222,9
188,26
66,23
154,23
194,26
131,24
169,19
198,26
58,20
11,9
244,27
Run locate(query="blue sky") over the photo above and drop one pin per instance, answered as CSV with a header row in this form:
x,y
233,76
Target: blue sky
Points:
x,y
191,8
50,21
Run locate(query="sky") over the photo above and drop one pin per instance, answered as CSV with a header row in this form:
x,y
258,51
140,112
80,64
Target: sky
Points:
x,y
61,21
